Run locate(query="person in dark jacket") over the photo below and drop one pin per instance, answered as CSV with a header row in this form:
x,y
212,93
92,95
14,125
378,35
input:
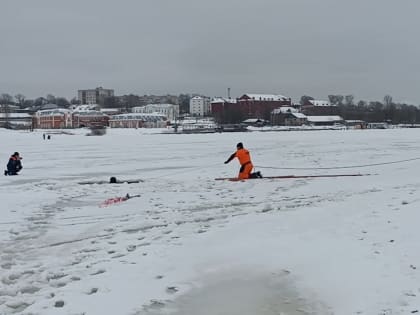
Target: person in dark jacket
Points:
x,y
14,165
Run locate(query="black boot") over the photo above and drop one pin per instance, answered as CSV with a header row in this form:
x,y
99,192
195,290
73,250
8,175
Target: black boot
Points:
x,y
5,173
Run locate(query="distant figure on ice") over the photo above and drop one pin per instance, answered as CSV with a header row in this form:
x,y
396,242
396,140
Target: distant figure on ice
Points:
x,y
48,137
112,180
43,136
14,165
245,160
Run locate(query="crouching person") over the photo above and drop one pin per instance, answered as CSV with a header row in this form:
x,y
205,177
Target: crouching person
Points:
x,y
14,165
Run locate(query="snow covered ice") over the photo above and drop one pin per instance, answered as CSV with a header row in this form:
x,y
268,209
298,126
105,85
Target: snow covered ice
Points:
x,y
191,245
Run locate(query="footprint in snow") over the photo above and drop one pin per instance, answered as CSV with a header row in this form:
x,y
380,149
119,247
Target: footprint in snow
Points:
x,y
131,248
98,272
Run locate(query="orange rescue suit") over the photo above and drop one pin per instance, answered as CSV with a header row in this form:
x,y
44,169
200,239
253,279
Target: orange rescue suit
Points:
x,y
245,160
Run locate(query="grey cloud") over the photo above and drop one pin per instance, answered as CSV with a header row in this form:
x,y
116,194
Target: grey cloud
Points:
x,y
293,47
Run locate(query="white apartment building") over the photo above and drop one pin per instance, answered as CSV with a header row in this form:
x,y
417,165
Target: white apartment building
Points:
x,y
320,103
200,106
170,111
94,96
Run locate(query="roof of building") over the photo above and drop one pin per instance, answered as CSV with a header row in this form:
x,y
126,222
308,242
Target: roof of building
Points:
x,y
320,103
49,106
324,118
284,110
354,121
299,115
85,107
110,110
266,97
91,113
161,105
10,106
16,115
223,100
253,120
139,116
53,112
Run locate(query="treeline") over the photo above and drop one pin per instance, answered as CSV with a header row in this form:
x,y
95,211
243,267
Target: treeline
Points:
x,y
132,100
21,101
373,111
125,102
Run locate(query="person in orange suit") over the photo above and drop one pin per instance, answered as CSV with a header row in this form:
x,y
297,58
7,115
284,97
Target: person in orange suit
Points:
x,y
244,158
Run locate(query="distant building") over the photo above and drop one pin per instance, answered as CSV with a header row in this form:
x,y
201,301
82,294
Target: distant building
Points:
x,y
48,106
84,116
320,103
317,107
158,99
58,118
197,125
15,120
94,96
255,122
170,111
287,116
84,108
261,105
111,111
356,124
200,106
378,125
219,105
138,120
53,119
7,108
325,120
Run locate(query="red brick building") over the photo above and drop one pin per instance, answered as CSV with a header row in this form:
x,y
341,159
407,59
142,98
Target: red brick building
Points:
x,y
319,108
58,118
261,105
91,118
248,106
221,108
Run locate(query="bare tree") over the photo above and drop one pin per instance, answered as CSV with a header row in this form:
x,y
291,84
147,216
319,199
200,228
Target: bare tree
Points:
x,y
362,104
74,101
305,99
51,98
387,100
20,99
6,98
62,102
349,99
6,110
336,99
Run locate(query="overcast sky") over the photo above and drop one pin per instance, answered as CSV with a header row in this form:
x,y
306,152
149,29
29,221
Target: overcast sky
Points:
x,y
367,48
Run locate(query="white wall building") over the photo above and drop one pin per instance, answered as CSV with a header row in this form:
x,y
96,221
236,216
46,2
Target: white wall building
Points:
x,y
170,111
138,120
84,108
320,103
200,106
